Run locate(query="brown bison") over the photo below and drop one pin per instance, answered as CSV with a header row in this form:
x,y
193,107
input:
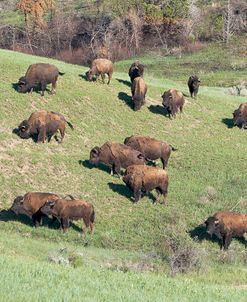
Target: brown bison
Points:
x,y
43,124
143,179
100,67
30,205
136,70
193,84
39,74
226,225
138,90
151,148
240,116
65,210
172,101
116,156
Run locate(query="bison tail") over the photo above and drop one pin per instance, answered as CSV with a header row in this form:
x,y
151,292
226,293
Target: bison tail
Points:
x,y
92,216
61,73
69,196
70,125
173,148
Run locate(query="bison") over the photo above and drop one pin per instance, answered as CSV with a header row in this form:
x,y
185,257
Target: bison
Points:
x,y
43,124
138,90
172,101
65,210
136,70
143,179
193,84
226,225
240,116
30,205
100,67
39,74
116,156
151,148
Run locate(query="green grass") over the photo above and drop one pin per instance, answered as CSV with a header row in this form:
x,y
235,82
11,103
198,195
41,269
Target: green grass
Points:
x,y
209,154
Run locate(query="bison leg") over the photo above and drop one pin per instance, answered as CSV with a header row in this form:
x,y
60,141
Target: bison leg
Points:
x,y
137,195
42,135
43,88
53,86
37,219
164,162
103,77
53,220
62,132
109,78
228,239
64,224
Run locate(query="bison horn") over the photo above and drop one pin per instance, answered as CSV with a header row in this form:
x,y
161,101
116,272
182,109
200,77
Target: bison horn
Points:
x,y
51,203
216,222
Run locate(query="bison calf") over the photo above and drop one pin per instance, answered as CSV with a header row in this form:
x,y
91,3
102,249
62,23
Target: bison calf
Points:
x,y
138,90
240,116
151,148
30,205
65,210
226,225
143,179
172,101
100,67
193,84
116,156
39,74
43,124
136,70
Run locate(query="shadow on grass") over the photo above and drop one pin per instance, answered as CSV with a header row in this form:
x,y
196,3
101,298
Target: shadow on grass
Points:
x,y
34,137
228,122
8,215
199,233
15,86
127,83
123,96
87,164
158,109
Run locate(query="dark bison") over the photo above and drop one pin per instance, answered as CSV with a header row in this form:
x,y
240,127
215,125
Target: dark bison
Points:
x,y
100,67
240,116
172,101
44,124
65,210
193,84
143,179
138,90
151,148
30,205
226,225
39,74
116,156
136,70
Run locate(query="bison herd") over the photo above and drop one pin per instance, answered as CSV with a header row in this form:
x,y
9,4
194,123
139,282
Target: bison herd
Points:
x,y
136,154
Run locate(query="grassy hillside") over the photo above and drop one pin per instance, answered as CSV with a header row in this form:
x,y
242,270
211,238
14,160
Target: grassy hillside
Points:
x,y
207,174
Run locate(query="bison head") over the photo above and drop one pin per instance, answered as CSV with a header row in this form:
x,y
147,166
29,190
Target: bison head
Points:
x,y
95,156
17,206
24,129
237,117
213,226
23,85
89,75
47,208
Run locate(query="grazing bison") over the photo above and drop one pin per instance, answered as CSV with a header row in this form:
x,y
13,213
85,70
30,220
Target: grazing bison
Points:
x,y
136,70
116,156
193,84
226,225
138,90
151,148
44,124
30,205
143,179
39,74
172,101
65,210
240,116
100,67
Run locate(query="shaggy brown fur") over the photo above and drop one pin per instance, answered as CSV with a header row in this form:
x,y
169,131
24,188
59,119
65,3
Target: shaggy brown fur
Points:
x,y
44,124
39,74
100,67
138,90
30,205
172,101
136,70
66,210
116,156
151,148
143,179
226,225
240,116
